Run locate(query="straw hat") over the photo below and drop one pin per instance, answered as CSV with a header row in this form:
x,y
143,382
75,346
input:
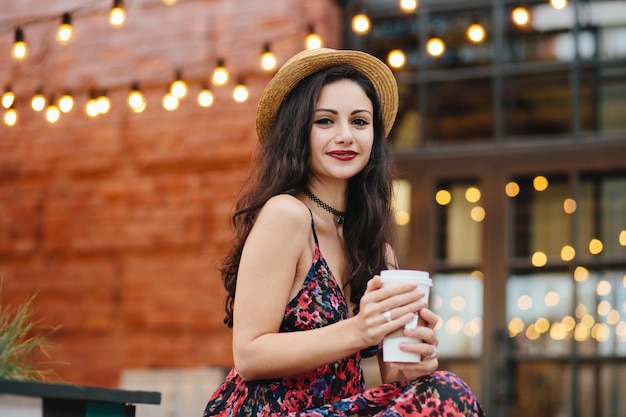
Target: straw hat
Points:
x,y
312,60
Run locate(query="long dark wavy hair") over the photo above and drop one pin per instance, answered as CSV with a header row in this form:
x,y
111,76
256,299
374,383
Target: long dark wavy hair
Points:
x,y
282,167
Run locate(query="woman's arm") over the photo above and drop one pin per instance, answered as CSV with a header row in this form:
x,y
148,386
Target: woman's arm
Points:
x,y
276,257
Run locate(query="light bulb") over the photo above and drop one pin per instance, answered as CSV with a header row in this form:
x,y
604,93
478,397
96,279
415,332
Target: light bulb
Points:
x,y
178,88
10,117
361,24
52,113
170,102
220,74
66,103
8,98
205,97
65,30
520,16
240,92
91,107
396,59
268,59
136,100
476,33
435,47
117,16
103,103
408,6
38,102
170,2
558,4
313,40
19,50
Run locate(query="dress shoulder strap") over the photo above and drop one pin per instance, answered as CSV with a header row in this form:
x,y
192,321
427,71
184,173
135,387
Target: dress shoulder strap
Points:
x,y
313,228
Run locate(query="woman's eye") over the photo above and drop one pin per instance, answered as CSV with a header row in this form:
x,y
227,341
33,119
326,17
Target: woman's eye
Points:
x,y
360,122
323,121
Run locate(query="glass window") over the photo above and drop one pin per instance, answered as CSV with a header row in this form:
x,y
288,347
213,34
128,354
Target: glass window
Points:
x,y
537,104
394,32
603,98
458,301
459,111
458,39
546,35
543,223
407,131
539,313
603,217
601,312
557,72
603,24
402,216
459,228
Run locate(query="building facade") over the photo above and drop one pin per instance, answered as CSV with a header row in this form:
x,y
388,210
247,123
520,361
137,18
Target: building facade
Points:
x,y
511,141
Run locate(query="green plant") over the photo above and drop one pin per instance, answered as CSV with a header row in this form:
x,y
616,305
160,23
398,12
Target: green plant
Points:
x,y
21,345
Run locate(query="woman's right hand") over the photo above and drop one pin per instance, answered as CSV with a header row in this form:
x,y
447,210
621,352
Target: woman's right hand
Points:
x,y
384,310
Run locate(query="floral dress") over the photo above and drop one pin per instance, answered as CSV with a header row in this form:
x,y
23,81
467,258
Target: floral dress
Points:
x,y
337,389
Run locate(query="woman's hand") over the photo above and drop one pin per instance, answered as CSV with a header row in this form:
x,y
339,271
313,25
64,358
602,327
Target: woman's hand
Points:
x,y
425,344
384,310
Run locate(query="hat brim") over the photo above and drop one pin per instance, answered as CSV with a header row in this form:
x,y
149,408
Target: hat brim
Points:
x,y
312,60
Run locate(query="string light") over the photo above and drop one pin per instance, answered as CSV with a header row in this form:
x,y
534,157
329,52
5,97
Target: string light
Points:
x,y
10,117
361,24
65,30
240,92
476,33
408,6
103,104
117,16
178,88
66,102
220,74
396,59
136,100
520,16
268,59
558,4
170,102
205,97
38,102
313,40
52,113
19,50
8,98
435,47
91,106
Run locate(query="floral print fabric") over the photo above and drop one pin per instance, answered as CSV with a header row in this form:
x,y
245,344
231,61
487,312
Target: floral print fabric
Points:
x,y
336,389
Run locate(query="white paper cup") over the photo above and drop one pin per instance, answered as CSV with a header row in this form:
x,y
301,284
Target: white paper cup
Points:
x,y
391,343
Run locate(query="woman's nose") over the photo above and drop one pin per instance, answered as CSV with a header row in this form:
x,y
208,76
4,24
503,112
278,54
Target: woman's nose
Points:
x,y
345,133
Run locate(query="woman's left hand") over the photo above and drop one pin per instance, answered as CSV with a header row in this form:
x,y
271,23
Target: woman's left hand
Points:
x,y
425,344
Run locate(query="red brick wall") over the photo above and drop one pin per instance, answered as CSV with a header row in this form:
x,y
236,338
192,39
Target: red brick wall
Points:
x,y
119,222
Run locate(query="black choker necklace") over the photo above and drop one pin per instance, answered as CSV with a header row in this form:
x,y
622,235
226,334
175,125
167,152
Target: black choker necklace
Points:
x,y
339,214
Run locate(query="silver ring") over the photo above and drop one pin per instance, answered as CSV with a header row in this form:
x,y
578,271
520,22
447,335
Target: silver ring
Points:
x,y
433,354
387,315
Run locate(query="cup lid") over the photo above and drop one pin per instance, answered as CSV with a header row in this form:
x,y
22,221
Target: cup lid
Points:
x,y
404,273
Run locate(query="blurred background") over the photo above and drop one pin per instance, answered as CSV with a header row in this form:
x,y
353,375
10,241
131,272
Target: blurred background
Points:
x,y
127,131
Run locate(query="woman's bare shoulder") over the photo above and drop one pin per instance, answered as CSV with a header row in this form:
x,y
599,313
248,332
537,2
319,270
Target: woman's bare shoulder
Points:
x,y
286,210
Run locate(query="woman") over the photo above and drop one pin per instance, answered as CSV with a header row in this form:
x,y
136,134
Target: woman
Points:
x,y
313,232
